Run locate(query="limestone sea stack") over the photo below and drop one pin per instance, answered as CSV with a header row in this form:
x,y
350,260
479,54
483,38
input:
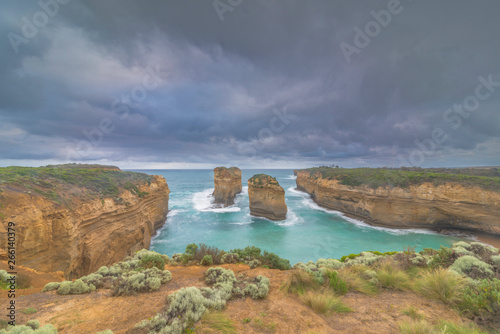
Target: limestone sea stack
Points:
x,y
77,218
267,197
227,183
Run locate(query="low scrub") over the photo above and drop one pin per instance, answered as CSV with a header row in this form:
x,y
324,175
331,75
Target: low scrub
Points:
x,y
189,305
324,302
360,279
442,285
31,327
139,273
482,299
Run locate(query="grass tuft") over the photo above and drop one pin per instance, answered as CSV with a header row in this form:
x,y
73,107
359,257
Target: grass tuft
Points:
x,y
324,302
215,322
391,277
442,285
298,282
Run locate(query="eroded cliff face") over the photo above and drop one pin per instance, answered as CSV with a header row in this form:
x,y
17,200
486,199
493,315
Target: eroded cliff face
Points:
x,y
79,237
267,197
227,183
449,206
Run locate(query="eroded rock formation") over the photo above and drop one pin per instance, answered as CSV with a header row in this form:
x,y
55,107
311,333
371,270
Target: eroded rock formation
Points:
x,y
267,197
227,183
449,206
82,232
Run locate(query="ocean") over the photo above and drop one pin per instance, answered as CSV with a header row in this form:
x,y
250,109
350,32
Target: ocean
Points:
x,y
309,232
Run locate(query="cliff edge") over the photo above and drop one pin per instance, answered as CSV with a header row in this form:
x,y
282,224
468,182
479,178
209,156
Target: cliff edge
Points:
x,y
76,218
437,200
267,197
227,183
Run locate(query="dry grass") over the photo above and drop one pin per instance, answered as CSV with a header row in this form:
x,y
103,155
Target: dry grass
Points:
x,y
416,327
413,313
391,277
215,322
324,302
355,281
445,327
298,282
442,285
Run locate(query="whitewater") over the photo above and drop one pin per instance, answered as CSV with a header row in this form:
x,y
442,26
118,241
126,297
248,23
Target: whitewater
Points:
x,y
308,233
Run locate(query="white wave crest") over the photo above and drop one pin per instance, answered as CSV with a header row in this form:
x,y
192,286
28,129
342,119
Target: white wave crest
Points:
x,y
308,202
203,201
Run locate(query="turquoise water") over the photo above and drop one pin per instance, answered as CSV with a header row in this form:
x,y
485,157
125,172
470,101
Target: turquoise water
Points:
x,y
308,233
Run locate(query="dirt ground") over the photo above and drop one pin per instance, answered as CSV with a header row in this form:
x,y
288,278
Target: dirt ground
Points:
x,y
91,313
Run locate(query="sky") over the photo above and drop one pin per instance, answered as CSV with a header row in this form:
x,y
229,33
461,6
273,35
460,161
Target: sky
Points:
x,y
254,84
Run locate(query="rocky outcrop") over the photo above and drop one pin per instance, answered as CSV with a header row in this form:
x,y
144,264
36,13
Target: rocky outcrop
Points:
x,y
267,197
227,183
80,234
449,206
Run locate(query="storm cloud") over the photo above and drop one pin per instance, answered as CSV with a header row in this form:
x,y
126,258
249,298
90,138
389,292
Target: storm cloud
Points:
x,y
250,83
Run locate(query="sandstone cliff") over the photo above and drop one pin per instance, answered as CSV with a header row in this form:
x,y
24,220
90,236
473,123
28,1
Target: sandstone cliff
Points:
x,y
449,205
227,183
76,229
267,197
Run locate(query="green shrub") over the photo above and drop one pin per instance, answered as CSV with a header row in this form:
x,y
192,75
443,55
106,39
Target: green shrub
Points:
x,y
250,252
230,258
364,258
191,249
152,260
496,260
482,299
274,261
442,285
443,258
107,331
214,252
75,288
51,286
143,281
472,267
207,260
254,264
34,324
329,263
258,290
219,275
336,283
22,329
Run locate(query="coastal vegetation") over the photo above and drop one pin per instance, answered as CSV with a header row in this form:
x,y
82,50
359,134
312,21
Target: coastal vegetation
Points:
x,y
487,178
464,278
52,181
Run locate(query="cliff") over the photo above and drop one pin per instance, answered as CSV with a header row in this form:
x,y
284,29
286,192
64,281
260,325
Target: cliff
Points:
x,y
420,201
267,197
75,219
227,183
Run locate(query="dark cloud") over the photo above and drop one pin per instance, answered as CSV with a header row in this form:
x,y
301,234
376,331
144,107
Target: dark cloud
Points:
x,y
168,82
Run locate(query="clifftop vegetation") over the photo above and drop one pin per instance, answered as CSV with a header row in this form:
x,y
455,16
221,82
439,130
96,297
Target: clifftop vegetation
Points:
x,y
54,180
485,178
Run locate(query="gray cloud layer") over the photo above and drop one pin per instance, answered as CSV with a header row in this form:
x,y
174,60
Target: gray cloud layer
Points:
x,y
168,83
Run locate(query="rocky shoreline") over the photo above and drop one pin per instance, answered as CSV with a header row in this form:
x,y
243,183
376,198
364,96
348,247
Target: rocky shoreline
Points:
x,y
447,207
